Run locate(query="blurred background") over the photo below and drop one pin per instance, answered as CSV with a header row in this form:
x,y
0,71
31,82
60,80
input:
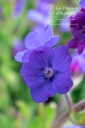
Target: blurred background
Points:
x,y
17,19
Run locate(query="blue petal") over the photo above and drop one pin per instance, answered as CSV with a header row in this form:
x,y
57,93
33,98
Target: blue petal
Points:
x,y
49,1
47,34
36,39
62,59
25,57
20,4
41,94
32,76
74,126
43,7
62,83
41,57
32,40
36,16
53,41
65,25
82,4
19,55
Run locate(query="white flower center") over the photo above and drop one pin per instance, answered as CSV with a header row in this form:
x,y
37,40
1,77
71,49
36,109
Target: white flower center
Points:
x,y
48,72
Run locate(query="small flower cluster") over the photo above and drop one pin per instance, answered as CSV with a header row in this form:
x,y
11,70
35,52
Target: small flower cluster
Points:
x,y
46,67
45,70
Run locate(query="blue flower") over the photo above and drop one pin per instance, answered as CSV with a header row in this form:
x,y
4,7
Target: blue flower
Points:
x,y
74,126
40,15
78,63
18,46
19,6
47,72
37,39
82,4
65,25
49,1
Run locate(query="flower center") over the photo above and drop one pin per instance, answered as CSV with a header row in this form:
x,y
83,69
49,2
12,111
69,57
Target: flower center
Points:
x,y
48,72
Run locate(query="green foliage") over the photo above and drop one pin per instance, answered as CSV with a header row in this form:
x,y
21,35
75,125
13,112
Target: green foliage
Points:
x,y
78,118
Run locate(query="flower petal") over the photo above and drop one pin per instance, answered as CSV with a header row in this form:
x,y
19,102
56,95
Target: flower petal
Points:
x,y
49,1
65,24
43,7
33,77
19,55
62,59
25,57
20,4
53,41
41,57
73,43
82,4
81,48
41,94
38,38
35,15
32,71
47,34
32,40
62,83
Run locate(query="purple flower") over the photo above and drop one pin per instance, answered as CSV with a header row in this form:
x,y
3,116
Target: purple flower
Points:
x,y
77,25
49,1
82,4
75,67
36,39
41,14
78,62
65,24
19,6
18,46
47,72
39,28
74,126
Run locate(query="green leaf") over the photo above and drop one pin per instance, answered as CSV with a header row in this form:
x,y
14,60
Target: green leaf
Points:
x,y
78,117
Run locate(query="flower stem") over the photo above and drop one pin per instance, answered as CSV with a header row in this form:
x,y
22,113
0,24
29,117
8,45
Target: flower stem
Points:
x,y
69,101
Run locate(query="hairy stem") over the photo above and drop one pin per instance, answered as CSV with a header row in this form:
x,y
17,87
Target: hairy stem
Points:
x,y
69,100
60,120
